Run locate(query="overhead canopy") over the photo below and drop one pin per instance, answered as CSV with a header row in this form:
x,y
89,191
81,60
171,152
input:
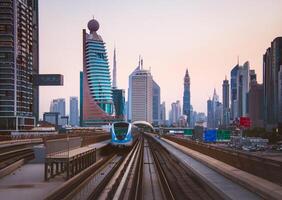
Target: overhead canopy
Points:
x,y
143,124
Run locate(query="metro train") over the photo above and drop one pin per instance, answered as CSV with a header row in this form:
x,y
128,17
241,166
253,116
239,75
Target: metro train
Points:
x,y
123,134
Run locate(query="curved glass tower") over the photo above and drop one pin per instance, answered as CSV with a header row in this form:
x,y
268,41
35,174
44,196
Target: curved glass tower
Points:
x,y
97,91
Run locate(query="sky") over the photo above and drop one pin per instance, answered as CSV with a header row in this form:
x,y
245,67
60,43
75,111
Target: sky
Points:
x,y
204,36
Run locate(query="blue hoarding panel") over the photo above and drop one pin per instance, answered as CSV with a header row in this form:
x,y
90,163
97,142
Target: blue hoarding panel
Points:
x,y
210,136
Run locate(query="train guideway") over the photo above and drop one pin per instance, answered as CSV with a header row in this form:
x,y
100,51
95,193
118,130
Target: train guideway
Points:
x,y
219,183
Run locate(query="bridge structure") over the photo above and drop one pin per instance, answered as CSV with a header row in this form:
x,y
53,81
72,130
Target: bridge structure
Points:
x,y
144,125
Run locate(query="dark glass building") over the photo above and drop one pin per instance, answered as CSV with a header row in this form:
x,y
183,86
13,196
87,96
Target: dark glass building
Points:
x,y
256,104
18,64
233,92
186,98
225,102
156,103
272,60
119,103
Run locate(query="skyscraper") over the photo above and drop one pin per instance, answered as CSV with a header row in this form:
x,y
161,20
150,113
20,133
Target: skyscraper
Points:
x,y
210,116
129,102
233,92
114,70
18,64
141,98
214,110
256,104
73,111
175,112
58,105
118,94
162,114
243,85
239,90
225,102
97,87
280,95
156,103
186,97
119,103
272,60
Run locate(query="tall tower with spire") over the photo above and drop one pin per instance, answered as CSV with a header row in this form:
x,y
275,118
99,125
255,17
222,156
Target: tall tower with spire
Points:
x,y
114,70
186,98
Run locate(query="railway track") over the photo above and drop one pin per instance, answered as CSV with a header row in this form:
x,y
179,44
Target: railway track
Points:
x,y
9,156
177,180
147,171
101,180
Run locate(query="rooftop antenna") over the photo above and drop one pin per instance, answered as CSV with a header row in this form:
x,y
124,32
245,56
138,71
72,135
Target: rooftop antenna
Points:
x,y
237,60
142,63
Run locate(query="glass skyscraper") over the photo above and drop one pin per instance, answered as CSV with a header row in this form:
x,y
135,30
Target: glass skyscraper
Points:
x,y
186,98
156,103
97,89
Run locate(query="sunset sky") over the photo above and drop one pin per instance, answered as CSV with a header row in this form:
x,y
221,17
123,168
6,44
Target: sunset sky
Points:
x,y
205,36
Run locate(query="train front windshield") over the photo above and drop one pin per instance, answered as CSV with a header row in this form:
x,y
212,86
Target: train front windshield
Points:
x,y
121,130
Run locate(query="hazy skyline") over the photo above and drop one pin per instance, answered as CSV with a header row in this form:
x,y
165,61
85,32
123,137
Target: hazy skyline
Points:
x,y
204,36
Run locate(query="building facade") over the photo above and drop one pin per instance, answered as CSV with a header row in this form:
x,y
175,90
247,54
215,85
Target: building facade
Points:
x,y
280,95
240,79
52,118
74,119
163,114
141,95
156,103
58,105
210,118
214,110
225,103
256,104
97,105
18,64
186,98
272,60
114,70
175,113
129,99
119,103
233,92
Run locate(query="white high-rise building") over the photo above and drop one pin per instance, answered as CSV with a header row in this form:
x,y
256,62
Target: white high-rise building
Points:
x,y
74,111
140,95
175,112
129,101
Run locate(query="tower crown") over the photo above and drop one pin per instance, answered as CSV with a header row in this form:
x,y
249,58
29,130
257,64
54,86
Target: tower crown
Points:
x,y
93,25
